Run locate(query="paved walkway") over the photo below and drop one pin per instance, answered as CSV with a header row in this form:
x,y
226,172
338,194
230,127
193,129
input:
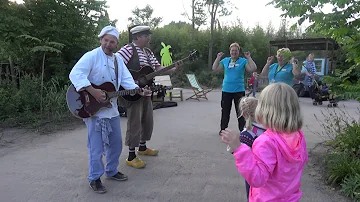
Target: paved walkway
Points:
x,y
192,165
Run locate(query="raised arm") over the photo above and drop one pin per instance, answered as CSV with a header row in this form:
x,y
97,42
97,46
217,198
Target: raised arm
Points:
x,y
216,65
250,66
265,70
296,71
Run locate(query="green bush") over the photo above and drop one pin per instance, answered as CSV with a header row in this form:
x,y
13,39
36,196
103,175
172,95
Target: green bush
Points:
x,y
351,186
21,106
339,165
342,162
348,141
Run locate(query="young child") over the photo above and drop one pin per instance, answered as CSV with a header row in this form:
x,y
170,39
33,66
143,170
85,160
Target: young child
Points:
x,y
274,165
253,84
252,129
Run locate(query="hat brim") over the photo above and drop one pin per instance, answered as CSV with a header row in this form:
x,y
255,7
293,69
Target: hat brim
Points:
x,y
146,32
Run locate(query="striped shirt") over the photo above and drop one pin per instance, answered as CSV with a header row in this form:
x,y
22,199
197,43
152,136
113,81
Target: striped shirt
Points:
x,y
248,136
126,53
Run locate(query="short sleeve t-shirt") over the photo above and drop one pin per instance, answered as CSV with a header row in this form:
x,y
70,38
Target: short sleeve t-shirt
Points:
x,y
281,74
233,74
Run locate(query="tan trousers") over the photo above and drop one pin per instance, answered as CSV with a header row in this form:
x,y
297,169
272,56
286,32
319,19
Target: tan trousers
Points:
x,y
140,121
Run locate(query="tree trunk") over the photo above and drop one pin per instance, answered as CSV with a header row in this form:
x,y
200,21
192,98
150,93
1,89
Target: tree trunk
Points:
x,y
211,42
1,73
12,71
7,73
193,19
219,25
193,13
42,84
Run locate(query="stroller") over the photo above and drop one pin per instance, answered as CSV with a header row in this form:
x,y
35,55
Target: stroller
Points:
x,y
321,93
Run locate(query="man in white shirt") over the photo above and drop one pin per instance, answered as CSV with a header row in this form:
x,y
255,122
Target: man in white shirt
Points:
x,y
104,134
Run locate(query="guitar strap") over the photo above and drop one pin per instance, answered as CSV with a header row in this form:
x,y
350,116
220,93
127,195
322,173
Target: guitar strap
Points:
x,y
116,72
122,102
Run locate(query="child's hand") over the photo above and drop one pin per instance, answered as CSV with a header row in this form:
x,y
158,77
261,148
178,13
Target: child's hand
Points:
x,y
231,138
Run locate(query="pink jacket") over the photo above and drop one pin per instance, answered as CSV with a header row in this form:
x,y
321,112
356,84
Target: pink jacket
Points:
x,y
274,166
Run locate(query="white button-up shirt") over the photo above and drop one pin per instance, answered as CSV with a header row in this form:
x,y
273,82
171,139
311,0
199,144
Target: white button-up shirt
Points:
x,y
97,68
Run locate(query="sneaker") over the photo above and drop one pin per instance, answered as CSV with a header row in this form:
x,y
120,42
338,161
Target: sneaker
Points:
x,y
119,177
97,186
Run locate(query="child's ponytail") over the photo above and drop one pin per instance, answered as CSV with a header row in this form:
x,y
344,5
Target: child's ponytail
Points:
x,y
247,107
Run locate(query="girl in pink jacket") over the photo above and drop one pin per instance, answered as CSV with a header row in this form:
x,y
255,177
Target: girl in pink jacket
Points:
x,y
274,165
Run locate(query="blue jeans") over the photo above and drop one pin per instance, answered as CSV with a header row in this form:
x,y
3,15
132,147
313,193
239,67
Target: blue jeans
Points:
x,y
103,138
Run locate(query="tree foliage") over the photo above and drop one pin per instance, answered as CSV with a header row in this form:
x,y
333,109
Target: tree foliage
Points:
x,y
143,16
342,23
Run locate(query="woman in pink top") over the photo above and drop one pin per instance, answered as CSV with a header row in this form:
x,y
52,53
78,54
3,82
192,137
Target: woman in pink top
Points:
x,y
274,165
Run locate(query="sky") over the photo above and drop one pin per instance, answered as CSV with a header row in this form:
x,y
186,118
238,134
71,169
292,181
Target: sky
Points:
x,y
249,12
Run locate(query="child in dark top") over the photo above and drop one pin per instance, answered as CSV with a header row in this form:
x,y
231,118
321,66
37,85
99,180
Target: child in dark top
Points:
x,y
252,129
325,89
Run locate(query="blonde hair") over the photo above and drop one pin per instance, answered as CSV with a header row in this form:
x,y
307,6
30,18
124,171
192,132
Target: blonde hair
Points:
x,y
283,50
234,45
279,109
247,106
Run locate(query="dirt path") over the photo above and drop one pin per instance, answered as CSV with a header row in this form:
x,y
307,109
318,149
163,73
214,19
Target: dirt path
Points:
x,y
192,165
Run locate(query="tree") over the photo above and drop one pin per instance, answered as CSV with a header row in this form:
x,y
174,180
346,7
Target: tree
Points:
x,y
198,14
341,24
10,13
73,23
143,16
43,47
215,7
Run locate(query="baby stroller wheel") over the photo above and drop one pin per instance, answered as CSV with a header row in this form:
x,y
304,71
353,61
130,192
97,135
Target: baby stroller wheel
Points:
x,y
334,104
320,103
329,105
315,103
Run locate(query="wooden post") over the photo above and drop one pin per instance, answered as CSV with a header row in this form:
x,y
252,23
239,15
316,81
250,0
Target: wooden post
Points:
x,y
7,73
332,59
1,73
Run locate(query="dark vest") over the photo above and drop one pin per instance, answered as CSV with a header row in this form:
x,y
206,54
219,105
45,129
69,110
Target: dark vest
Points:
x,y
134,62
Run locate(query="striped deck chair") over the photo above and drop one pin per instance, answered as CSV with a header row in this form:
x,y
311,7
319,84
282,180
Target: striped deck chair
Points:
x,y
199,92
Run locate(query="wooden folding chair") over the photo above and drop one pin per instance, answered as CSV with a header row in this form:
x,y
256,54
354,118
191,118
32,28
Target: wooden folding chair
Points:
x,y
199,92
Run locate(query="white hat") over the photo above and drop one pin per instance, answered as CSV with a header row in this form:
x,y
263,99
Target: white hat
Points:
x,y
109,30
141,28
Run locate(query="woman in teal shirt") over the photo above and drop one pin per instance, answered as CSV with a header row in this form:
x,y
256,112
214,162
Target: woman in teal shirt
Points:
x,y
233,87
283,71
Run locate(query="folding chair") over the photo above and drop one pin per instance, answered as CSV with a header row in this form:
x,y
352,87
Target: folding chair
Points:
x,y
199,92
